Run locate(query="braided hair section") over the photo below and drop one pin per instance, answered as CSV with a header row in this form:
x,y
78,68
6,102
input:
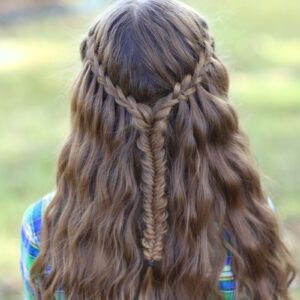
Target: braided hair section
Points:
x,y
151,124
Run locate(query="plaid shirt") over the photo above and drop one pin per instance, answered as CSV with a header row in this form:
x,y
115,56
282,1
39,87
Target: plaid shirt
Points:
x,y
30,241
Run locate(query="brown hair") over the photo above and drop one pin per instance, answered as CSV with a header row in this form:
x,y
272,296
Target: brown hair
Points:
x,y
154,161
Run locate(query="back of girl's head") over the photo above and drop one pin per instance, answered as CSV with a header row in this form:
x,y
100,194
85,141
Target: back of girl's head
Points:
x,y
155,171
147,46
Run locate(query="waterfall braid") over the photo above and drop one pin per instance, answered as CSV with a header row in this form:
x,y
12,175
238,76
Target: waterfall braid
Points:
x,y
154,161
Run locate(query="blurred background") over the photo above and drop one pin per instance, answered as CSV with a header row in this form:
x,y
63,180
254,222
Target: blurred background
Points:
x,y
259,42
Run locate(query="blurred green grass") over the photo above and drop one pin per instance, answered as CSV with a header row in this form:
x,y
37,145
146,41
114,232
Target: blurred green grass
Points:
x,y
260,45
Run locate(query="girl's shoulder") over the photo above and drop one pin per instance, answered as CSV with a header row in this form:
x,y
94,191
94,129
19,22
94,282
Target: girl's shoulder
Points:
x,y
30,240
32,218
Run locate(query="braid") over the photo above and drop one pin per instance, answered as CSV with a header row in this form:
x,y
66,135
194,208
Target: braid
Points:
x,y
151,124
181,92
141,113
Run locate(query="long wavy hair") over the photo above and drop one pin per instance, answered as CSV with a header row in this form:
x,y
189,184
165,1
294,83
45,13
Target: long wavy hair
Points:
x,y
155,168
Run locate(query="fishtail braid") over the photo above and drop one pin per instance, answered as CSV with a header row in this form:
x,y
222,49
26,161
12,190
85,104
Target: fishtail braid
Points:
x,y
181,92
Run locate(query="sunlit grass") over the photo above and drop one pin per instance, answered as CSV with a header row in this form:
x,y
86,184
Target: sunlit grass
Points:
x,y
14,55
287,50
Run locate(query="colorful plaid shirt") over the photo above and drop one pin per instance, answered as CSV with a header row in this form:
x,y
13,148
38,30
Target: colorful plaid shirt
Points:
x,y
30,241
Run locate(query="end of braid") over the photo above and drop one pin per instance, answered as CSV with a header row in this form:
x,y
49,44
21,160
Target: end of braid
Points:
x,y
146,288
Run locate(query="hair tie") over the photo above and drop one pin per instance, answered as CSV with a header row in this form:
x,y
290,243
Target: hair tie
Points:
x,y
150,263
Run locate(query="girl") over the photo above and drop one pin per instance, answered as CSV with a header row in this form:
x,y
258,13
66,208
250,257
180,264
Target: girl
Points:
x,y
156,196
